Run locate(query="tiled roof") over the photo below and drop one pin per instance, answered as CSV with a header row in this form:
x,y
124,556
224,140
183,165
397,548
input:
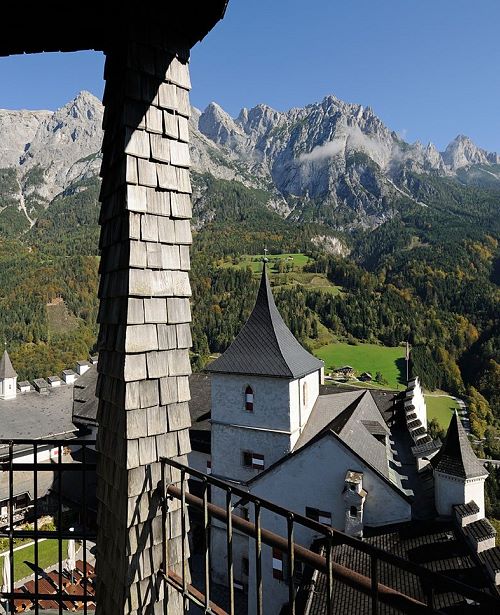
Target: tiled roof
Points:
x,y
265,346
456,456
480,530
466,510
6,369
434,545
492,557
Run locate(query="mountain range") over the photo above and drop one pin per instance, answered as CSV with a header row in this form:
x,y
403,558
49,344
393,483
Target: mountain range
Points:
x,y
331,162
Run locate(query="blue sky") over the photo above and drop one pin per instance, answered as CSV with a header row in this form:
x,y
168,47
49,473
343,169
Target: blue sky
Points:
x,y
429,68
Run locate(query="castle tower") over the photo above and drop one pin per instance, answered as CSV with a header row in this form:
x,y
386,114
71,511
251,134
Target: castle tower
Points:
x,y
8,378
263,390
458,474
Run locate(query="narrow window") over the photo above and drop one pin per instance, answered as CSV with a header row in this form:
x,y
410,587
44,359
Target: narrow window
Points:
x,y
304,394
209,466
257,461
253,460
353,511
249,399
245,566
277,564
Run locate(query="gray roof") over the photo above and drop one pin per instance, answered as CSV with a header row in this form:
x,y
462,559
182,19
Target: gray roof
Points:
x,y
342,415
434,545
6,369
348,425
35,416
265,346
456,456
85,402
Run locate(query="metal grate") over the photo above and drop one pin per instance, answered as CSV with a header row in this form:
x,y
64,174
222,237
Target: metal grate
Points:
x,y
70,466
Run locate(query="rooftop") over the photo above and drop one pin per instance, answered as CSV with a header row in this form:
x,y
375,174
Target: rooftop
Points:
x,y
34,416
434,545
265,346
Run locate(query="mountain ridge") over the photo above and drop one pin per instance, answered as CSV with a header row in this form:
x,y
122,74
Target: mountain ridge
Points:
x,y
330,162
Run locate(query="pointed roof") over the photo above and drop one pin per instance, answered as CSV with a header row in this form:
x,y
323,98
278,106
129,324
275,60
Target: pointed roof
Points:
x,y
456,456
265,346
6,369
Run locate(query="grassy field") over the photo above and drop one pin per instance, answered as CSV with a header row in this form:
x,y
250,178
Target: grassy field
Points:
x,y
255,261
441,408
48,554
367,358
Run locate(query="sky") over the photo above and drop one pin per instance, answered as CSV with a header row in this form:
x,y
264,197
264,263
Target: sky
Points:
x,y
429,68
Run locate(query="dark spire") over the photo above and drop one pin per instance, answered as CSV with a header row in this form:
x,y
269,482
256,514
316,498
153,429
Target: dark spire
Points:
x,y
6,369
456,456
265,346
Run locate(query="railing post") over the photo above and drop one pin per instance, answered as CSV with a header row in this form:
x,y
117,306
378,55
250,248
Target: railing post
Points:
x,y
206,528
291,565
329,573
229,542
258,557
374,583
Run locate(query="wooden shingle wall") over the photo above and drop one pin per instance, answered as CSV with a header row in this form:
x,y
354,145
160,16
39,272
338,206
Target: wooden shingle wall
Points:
x,y
144,320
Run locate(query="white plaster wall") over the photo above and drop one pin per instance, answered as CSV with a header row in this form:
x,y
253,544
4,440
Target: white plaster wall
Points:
x,y
448,491
8,388
418,401
219,562
299,413
271,401
315,478
474,490
228,444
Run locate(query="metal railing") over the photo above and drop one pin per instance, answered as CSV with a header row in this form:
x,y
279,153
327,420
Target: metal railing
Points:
x,y
431,583
58,590
66,595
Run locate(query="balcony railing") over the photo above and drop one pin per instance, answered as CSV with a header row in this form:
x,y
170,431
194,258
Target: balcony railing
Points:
x,y
432,585
67,470
57,591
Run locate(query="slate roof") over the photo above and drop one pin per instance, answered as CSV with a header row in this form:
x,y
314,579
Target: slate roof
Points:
x,y
6,369
341,415
35,416
435,545
265,346
85,402
479,530
466,510
456,456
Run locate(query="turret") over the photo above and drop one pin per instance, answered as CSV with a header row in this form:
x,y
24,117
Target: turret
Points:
x,y
8,378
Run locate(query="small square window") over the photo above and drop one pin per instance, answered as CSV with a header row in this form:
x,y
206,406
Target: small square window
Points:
x,y
277,564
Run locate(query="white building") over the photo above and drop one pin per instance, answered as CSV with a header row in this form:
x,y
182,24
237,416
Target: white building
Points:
x,y
8,378
274,434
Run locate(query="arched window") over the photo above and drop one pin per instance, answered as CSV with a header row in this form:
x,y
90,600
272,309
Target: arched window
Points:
x,y
249,399
353,511
304,394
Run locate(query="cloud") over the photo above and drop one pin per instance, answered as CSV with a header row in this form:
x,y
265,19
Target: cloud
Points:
x,y
352,138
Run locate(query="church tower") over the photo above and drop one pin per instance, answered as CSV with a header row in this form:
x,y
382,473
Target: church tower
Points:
x,y
263,390
458,474
8,378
